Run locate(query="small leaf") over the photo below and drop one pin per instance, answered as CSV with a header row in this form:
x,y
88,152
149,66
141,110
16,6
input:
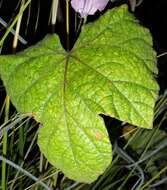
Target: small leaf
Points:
x,y
109,71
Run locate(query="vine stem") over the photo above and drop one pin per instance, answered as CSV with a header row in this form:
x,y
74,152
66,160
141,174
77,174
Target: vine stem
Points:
x,y
5,140
67,23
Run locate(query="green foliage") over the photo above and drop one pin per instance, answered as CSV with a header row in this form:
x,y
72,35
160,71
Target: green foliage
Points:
x,y
66,91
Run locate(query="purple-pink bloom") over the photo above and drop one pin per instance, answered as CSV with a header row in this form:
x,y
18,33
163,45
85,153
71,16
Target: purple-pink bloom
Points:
x,y
88,7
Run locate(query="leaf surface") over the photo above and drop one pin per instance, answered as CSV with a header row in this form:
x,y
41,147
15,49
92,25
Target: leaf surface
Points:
x,y
109,71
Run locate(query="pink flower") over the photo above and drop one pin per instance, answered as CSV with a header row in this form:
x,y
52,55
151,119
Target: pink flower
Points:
x,y
88,7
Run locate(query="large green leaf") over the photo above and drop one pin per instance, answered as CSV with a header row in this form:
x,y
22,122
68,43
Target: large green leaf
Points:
x,y
109,71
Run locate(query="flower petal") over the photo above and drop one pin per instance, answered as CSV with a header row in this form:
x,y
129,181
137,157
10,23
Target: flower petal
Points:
x,y
88,7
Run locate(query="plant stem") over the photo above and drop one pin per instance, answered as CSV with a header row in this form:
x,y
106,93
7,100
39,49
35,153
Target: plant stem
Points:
x,y
162,54
24,172
4,24
154,178
4,147
55,4
67,23
15,41
14,22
